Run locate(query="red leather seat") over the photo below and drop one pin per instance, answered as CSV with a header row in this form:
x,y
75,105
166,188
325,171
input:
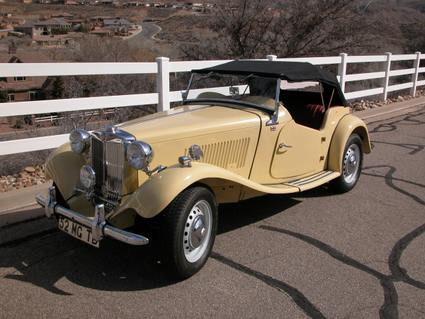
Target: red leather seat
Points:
x,y
315,115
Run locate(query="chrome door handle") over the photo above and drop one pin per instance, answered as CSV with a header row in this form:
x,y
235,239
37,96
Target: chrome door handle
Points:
x,y
283,145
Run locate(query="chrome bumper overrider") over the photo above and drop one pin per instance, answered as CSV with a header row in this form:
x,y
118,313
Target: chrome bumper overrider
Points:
x,y
98,224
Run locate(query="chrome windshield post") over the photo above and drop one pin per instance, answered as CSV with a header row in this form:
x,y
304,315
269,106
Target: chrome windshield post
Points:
x,y
275,117
185,93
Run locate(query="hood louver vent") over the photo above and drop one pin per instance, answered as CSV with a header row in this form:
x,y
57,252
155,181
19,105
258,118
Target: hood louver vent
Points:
x,y
228,154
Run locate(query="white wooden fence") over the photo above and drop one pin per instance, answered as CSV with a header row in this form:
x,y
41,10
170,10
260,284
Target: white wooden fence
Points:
x,y
163,97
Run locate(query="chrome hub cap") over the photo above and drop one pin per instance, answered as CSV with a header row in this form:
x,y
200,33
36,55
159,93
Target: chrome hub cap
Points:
x,y
351,163
197,231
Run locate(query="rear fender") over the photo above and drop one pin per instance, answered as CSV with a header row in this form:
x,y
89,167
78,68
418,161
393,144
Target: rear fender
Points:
x,y
348,125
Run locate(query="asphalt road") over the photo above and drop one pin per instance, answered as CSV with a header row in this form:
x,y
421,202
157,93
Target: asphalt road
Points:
x,y
357,255
145,39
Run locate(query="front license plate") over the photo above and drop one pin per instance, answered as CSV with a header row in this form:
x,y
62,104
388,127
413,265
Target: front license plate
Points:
x,y
77,230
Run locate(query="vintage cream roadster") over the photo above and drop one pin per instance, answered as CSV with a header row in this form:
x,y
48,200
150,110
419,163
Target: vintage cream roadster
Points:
x,y
281,128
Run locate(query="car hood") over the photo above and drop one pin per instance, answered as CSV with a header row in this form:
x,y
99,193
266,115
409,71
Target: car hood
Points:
x,y
190,121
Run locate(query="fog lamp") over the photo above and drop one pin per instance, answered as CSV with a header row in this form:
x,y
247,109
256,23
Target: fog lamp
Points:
x,y
87,177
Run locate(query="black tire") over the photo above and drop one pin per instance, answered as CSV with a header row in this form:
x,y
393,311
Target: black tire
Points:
x,y
174,231
346,182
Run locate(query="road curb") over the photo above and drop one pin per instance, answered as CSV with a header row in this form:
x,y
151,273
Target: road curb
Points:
x,y
386,112
19,206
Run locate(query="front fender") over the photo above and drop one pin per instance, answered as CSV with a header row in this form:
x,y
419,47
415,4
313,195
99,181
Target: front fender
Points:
x,y
159,190
348,125
63,167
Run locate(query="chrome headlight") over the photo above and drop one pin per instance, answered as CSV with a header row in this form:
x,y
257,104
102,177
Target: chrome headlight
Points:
x,y
139,155
80,140
87,177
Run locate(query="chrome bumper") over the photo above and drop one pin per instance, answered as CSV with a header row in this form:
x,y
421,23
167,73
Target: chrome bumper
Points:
x,y
98,224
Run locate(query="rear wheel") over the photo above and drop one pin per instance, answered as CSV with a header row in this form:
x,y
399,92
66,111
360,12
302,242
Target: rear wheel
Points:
x,y
188,232
351,165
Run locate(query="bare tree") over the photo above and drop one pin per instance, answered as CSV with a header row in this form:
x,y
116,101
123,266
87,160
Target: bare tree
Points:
x,y
246,23
241,27
414,34
254,28
322,27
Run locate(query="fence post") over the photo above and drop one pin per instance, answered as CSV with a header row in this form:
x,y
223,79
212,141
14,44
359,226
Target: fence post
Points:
x,y
387,74
163,83
415,75
342,70
271,57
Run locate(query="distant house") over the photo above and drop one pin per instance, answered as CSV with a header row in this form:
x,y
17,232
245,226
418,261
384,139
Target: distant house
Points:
x,y
119,26
43,28
22,88
51,26
105,2
133,4
49,1
179,6
63,15
26,28
102,32
97,21
76,22
118,22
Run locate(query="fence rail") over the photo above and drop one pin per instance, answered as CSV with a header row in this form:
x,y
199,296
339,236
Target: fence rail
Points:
x,y
163,97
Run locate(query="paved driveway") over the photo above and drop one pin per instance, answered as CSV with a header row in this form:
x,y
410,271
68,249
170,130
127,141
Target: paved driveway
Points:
x,y
357,255
145,39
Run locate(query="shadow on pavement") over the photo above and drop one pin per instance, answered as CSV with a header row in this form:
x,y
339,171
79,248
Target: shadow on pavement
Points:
x,y
43,261
233,216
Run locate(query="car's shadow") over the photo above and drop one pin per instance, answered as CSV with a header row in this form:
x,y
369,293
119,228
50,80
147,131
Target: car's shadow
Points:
x,y
115,267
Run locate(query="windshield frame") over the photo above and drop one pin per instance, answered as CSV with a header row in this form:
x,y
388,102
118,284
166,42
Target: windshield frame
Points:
x,y
274,113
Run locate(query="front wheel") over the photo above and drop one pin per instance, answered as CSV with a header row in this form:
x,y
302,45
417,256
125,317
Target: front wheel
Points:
x,y
351,165
188,232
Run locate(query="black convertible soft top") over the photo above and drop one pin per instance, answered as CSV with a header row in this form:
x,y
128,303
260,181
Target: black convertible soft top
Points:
x,y
289,71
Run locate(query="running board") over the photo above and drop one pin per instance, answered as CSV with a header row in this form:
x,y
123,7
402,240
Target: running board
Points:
x,y
314,180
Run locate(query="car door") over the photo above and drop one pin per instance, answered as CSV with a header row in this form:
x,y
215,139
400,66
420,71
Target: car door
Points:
x,y
298,152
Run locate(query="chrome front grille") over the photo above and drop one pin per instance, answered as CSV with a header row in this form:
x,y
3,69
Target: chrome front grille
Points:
x,y
114,167
114,177
97,162
108,162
